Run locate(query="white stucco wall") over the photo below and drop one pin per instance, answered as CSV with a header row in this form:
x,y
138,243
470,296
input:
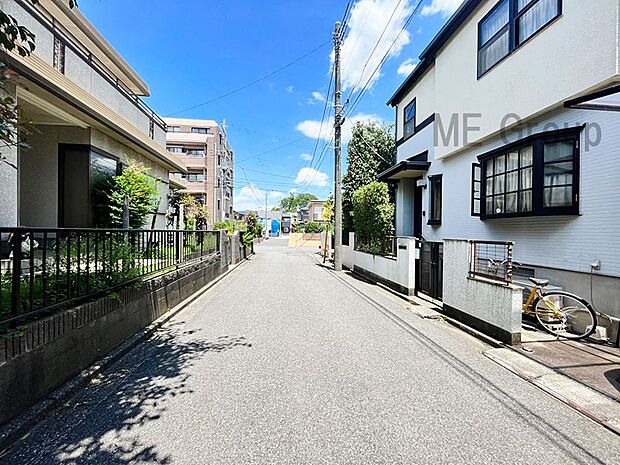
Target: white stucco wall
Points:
x,y
495,304
565,242
399,269
573,55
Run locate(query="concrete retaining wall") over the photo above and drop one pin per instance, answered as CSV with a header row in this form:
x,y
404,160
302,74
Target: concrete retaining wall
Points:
x,y
492,308
47,353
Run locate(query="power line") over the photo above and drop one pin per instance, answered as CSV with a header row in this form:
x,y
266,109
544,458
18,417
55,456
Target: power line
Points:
x,y
256,81
389,21
274,149
362,92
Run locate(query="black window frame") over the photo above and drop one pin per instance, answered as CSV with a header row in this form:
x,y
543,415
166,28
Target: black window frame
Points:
x,y
476,168
513,21
197,130
413,104
435,184
538,142
173,129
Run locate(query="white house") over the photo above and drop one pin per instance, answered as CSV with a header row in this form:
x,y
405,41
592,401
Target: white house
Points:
x,y
504,133
89,120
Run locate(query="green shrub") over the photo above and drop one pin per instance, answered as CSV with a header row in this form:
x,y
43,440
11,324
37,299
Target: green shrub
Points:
x,y
228,226
311,227
373,217
138,186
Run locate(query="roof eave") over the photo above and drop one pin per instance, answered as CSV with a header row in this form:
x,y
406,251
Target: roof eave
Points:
x,y
427,57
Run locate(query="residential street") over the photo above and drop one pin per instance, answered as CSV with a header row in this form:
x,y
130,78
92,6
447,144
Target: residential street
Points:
x,y
284,363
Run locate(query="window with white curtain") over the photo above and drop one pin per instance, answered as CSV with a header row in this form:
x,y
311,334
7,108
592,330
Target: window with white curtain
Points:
x,y
508,25
535,176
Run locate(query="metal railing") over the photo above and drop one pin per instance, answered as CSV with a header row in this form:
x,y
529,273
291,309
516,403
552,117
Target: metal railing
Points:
x,y
491,260
42,269
47,20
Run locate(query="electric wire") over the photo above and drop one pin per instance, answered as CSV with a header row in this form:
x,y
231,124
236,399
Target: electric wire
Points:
x,y
250,84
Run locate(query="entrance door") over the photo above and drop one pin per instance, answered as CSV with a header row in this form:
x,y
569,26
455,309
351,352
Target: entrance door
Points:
x,y
417,212
430,269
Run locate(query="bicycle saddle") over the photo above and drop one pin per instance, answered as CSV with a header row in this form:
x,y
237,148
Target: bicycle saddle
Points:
x,y
540,282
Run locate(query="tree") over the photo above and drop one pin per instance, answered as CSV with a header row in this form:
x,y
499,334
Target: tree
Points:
x,y
137,186
373,217
293,202
370,151
14,38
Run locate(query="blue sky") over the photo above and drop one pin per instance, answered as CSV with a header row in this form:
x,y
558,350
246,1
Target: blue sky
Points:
x,y
196,50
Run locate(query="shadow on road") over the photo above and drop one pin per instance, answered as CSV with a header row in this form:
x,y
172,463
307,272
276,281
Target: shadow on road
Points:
x,y
95,427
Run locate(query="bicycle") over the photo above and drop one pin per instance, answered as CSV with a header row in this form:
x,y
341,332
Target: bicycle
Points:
x,y
559,313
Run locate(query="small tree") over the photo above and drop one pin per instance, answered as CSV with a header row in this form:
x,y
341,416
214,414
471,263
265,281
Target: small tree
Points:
x,y
371,151
135,184
373,216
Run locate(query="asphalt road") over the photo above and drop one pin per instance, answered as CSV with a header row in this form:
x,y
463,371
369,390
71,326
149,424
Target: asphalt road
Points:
x,y
283,363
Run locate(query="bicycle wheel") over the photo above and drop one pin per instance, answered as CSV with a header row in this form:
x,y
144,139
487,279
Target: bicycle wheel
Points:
x,y
565,315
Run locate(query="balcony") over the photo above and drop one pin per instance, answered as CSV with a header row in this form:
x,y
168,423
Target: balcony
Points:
x,y
101,72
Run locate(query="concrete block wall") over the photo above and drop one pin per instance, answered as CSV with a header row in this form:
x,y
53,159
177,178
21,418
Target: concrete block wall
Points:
x,y
492,308
49,352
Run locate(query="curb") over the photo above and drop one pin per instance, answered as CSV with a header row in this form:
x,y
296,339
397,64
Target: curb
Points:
x,y
14,431
539,380
610,423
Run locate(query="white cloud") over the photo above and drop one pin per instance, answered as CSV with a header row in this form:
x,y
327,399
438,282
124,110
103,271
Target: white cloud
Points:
x,y
407,66
310,101
443,7
305,156
311,177
319,97
252,198
289,89
369,19
312,128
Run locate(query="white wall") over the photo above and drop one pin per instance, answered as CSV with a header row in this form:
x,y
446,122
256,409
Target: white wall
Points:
x,y
495,304
425,101
575,54
567,242
398,270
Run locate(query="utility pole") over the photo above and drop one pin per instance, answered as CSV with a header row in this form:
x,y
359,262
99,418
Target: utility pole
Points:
x,y
338,154
266,224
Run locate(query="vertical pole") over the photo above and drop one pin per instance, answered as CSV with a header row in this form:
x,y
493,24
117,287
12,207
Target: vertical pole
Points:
x,y
16,275
266,221
337,154
126,213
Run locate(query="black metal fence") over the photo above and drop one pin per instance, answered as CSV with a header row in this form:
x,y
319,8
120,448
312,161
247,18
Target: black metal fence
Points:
x,y
492,260
41,269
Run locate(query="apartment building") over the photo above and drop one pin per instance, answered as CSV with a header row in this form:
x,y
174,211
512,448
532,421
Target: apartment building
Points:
x,y
89,121
204,148
504,134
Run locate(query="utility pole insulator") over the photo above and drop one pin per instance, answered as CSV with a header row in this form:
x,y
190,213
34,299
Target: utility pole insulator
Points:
x,y
338,120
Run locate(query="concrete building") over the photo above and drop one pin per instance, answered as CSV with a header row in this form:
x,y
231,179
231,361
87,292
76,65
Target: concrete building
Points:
x,y
502,135
204,147
90,121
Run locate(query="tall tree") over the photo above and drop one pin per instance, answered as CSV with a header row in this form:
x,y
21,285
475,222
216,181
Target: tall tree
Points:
x,y
370,151
293,202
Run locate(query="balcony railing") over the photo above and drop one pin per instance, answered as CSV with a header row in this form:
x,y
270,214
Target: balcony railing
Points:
x,y
43,269
73,43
